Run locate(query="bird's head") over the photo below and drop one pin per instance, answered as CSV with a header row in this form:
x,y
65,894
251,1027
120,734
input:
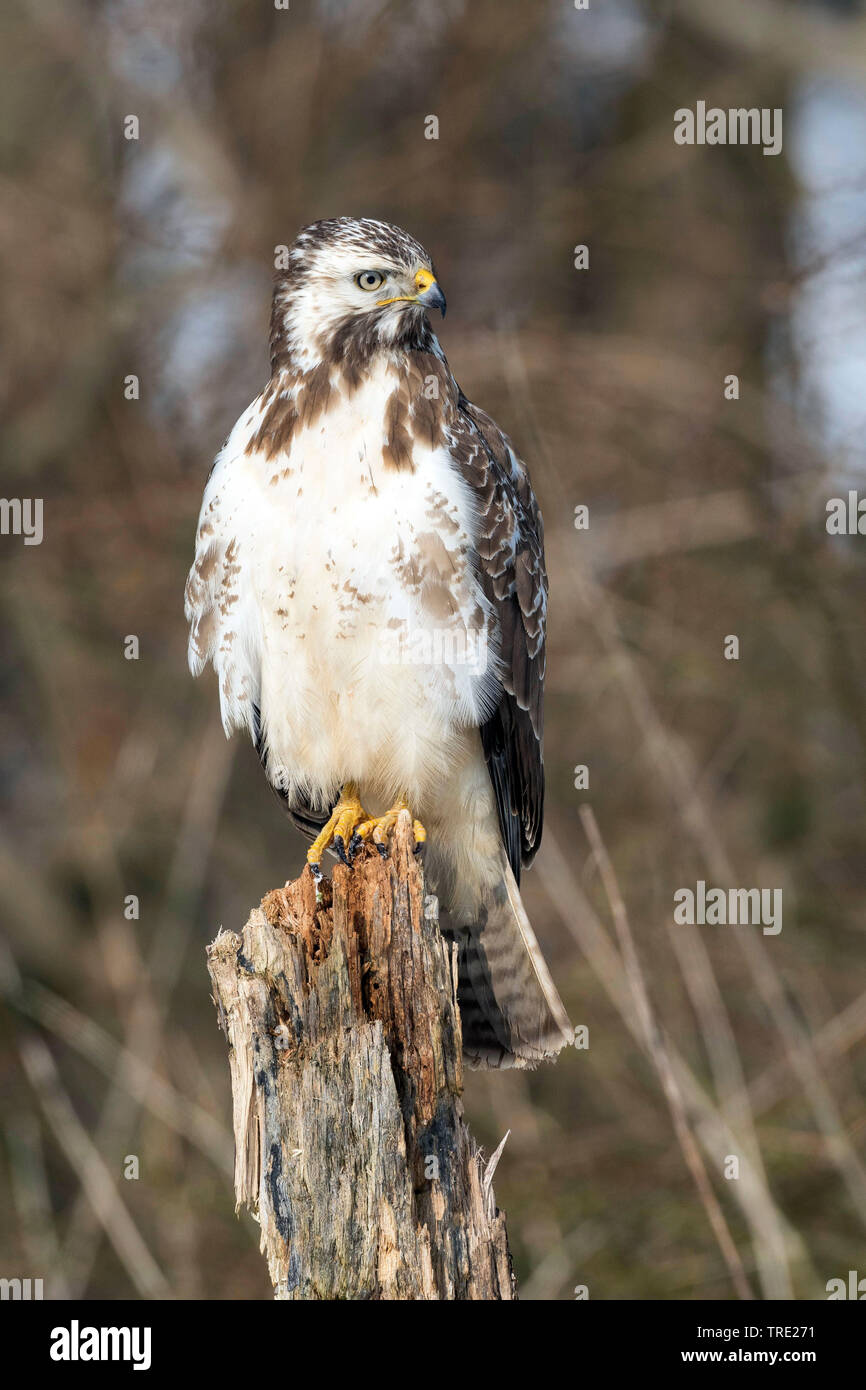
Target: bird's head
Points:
x,y
352,285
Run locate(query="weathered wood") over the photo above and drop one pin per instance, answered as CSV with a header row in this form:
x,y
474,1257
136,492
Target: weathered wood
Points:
x,y
350,1144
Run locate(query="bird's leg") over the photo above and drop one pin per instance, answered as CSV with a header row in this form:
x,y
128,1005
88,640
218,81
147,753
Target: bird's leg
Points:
x,y
378,828
338,830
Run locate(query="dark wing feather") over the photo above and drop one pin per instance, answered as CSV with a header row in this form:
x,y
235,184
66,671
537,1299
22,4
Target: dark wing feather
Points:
x,y
511,558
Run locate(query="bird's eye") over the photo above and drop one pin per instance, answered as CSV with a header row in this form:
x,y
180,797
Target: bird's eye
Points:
x,y
369,280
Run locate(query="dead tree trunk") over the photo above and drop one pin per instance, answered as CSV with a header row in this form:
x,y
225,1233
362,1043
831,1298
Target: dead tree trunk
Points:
x,y
344,1045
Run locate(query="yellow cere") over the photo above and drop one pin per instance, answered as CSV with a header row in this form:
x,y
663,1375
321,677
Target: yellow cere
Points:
x,y
423,280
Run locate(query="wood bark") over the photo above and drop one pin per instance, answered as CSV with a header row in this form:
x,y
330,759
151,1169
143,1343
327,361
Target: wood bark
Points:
x,y
344,1045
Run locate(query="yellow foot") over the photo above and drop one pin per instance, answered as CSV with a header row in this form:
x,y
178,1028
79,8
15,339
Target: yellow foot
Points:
x,y
378,829
339,830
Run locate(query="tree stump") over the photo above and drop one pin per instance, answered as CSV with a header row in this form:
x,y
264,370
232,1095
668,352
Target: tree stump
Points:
x,y
344,1045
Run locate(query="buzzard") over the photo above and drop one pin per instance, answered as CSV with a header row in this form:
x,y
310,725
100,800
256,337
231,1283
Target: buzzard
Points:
x,y
369,585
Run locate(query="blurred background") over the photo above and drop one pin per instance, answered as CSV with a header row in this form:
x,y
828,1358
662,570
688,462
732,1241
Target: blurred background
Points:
x,y
153,258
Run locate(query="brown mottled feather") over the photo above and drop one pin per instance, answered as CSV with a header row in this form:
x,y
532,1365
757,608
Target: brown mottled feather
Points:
x,y
511,554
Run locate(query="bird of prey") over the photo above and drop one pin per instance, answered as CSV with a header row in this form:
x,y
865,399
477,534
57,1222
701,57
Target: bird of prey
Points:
x,y
369,585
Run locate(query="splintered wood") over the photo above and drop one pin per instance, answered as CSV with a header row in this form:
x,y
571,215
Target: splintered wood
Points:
x,y
344,1045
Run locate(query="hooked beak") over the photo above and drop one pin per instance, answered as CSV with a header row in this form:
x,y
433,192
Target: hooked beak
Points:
x,y
429,293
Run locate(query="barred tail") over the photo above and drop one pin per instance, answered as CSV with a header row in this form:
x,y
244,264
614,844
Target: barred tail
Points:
x,y
510,1011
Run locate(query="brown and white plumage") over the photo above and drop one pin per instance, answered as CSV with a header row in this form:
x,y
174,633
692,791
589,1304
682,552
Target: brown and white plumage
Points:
x,y
369,586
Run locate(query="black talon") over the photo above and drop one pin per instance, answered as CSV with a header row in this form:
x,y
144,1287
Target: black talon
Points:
x,y
383,849
355,844
316,871
340,847
420,849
